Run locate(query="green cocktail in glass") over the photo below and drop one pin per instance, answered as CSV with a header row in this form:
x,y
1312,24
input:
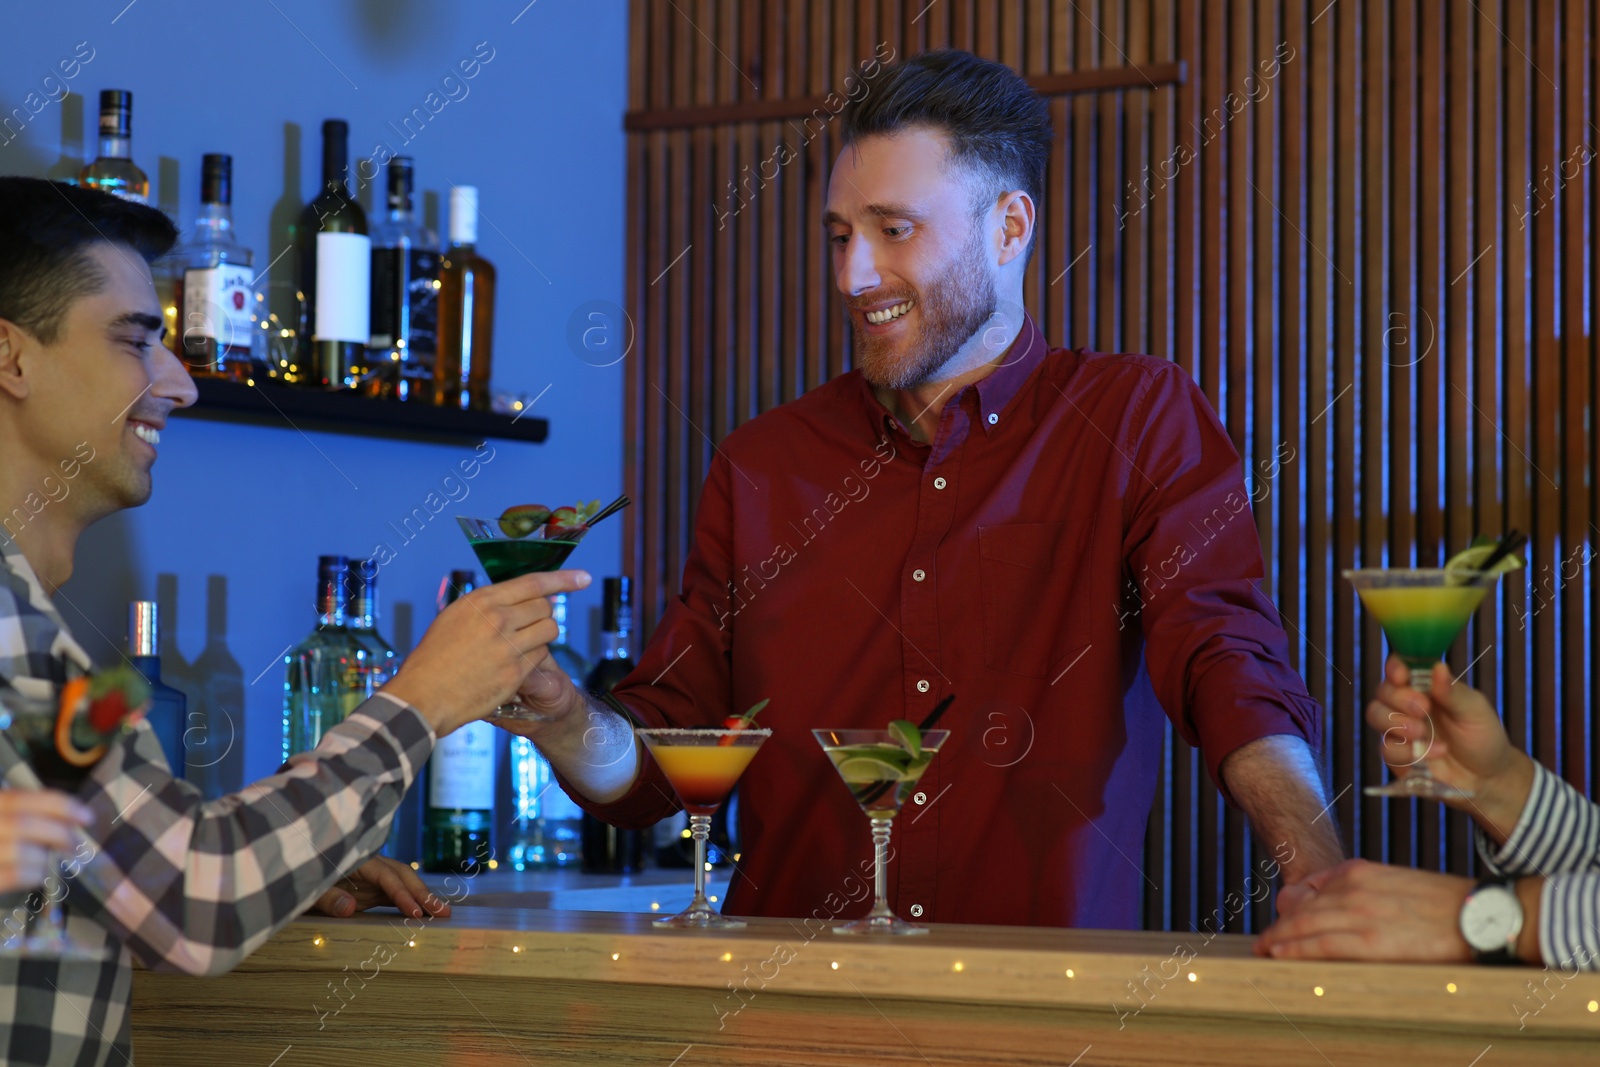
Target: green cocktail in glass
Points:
x,y
509,549
1422,611
882,769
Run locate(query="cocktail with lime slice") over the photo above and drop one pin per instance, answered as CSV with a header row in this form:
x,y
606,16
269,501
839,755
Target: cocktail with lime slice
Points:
x,y
881,769
702,766
1422,611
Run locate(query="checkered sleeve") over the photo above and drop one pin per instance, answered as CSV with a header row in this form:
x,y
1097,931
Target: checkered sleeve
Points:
x,y
195,886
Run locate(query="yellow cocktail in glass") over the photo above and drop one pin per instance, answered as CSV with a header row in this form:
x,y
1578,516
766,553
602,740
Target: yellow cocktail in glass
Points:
x,y
1422,612
702,766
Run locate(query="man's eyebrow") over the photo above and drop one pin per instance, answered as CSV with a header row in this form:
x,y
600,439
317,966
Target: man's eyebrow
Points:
x,y
137,318
882,211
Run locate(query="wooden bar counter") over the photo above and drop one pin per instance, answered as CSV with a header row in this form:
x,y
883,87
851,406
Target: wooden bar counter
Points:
x,y
495,985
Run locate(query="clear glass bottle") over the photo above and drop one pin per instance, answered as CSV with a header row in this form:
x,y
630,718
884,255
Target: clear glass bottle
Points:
x,y
168,706
335,275
466,311
216,298
114,171
405,296
547,825
379,661
323,674
609,849
458,810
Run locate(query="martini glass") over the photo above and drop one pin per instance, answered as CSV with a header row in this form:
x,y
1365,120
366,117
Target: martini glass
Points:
x,y
505,557
703,766
1422,611
42,934
881,773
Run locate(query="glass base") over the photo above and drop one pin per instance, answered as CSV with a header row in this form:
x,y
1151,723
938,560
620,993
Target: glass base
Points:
x,y
697,917
517,710
1418,785
880,924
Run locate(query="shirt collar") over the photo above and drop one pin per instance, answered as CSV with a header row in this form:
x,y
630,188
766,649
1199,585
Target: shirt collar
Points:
x,y
20,585
994,391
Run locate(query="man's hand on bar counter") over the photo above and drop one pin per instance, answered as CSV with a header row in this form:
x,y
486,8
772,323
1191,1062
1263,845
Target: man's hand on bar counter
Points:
x,y
479,650
379,883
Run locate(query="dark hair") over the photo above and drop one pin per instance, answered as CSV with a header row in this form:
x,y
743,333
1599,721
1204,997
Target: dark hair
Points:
x,y
998,125
46,231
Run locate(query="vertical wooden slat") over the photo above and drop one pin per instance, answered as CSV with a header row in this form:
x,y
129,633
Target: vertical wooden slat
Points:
x,y
1577,356
1548,394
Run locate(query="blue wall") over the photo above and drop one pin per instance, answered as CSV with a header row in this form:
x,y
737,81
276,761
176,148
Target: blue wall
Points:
x,y
241,512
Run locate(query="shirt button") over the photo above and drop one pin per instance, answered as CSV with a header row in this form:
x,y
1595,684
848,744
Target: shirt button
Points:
x,y
922,685
939,483
993,418
918,574
920,797
916,911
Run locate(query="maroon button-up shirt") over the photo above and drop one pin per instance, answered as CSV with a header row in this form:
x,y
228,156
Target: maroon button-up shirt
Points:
x,y
1072,554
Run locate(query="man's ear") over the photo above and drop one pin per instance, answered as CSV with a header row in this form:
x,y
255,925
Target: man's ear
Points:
x,y
14,342
1016,224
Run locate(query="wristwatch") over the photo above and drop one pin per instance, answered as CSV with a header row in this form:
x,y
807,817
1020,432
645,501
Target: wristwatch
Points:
x,y
1491,920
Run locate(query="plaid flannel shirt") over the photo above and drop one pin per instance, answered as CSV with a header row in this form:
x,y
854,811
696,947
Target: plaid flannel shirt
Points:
x,y
180,883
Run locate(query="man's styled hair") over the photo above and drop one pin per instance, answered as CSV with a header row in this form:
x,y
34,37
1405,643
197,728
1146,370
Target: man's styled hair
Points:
x,y
998,125
46,231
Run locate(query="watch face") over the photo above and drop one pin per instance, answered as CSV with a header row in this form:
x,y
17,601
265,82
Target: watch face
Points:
x,y
1491,918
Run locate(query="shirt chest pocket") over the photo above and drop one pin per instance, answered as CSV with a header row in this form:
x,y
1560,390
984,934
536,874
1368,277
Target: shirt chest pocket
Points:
x,y
1028,571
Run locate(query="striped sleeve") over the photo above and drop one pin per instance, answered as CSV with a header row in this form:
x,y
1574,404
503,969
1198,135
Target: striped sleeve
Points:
x,y
1557,833
1569,921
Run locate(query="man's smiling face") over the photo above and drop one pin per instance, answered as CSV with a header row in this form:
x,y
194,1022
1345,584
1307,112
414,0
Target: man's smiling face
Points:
x,y
105,380
913,261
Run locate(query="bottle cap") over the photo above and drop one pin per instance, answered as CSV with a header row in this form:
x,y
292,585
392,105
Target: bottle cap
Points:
x,y
144,632
332,583
216,179
402,180
464,215
116,113
616,612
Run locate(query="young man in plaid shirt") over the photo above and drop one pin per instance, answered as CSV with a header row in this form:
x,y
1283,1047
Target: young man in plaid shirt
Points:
x,y
181,883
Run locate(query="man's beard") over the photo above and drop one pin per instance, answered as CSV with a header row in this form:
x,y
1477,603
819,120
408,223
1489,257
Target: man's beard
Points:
x,y
950,310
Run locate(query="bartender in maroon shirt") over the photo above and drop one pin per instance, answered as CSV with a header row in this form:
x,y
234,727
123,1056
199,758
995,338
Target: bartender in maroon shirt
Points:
x,y
1061,539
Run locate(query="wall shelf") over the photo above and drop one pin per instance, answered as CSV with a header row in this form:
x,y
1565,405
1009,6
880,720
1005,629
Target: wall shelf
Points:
x,y
293,408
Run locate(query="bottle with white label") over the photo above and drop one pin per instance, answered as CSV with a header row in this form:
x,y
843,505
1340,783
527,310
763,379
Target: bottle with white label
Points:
x,y
335,280
458,807
216,298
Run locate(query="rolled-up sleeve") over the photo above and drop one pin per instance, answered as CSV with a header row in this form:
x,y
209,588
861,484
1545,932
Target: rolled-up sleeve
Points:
x,y
1215,649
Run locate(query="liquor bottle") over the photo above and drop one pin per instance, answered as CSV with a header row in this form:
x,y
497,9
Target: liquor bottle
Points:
x,y
323,679
608,849
547,825
405,296
381,662
114,171
466,311
459,806
335,274
216,300
168,707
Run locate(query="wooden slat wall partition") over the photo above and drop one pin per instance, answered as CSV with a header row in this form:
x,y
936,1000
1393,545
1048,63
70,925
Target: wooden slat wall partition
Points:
x,y
1363,226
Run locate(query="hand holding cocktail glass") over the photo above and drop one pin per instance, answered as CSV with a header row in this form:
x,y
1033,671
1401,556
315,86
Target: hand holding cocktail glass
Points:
x,y
1467,746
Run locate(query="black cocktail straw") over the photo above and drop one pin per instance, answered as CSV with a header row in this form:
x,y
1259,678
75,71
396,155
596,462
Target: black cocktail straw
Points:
x,y
609,510
1510,543
938,710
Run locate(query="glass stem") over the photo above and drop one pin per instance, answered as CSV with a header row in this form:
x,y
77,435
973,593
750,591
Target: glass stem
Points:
x,y
880,866
700,826
1422,682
